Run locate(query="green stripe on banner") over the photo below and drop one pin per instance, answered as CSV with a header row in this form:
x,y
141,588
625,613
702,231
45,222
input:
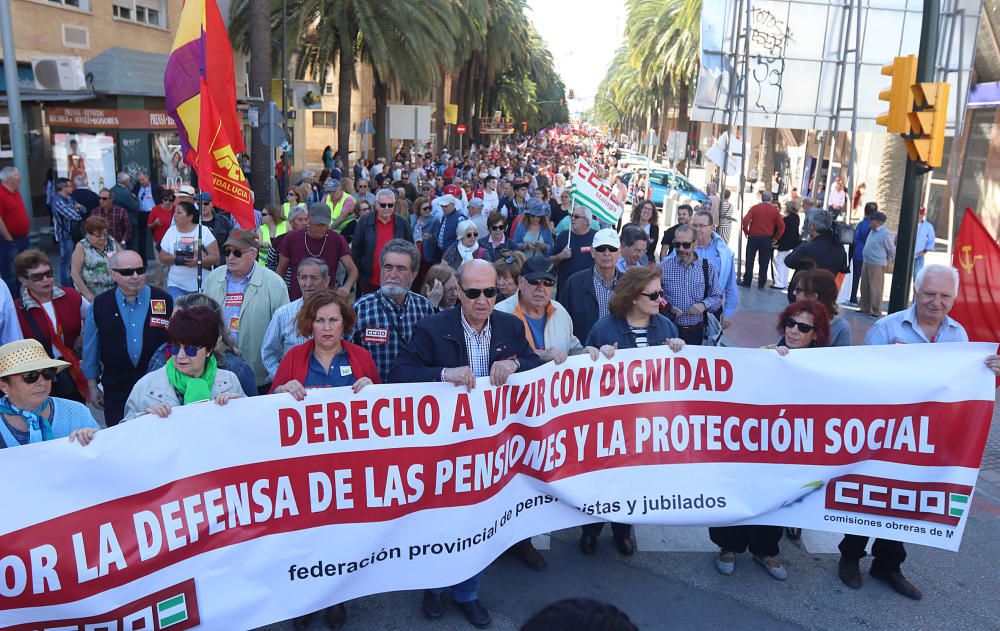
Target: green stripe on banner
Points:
x,y
959,499
172,611
599,211
170,602
956,512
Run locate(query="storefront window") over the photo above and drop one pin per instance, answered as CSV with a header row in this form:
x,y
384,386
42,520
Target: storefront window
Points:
x,y
168,163
88,160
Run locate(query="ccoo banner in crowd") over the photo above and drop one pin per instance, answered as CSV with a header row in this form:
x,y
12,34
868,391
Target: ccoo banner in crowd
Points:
x,y
594,193
238,516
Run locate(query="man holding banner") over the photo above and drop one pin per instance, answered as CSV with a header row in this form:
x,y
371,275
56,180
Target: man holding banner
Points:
x,y
490,344
925,322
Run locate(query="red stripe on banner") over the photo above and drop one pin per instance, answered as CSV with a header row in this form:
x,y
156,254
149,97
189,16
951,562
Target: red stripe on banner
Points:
x,y
110,544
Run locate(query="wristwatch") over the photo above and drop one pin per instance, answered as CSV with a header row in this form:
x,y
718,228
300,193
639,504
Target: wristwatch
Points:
x,y
517,362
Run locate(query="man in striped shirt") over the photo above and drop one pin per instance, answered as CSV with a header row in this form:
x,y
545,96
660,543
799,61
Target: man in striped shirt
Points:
x,y
66,211
282,335
684,280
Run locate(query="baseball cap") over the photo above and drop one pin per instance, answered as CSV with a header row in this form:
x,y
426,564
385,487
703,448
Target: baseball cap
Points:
x,y
538,267
607,236
451,189
242,239
319,212
331,185
476,202
204,197
185,189
537,207
444,200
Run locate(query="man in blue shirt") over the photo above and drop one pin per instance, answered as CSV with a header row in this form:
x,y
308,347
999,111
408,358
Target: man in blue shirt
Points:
x,y
709,245
924,243
861,233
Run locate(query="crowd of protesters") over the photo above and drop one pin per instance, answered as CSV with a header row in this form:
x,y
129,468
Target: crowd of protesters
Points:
x,y
426,267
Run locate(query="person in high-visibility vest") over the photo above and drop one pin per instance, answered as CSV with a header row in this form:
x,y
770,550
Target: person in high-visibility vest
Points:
x,y
292,199
273,224
341,204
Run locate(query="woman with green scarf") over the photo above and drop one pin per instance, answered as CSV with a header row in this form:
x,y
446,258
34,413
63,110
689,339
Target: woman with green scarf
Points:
x,y
191,374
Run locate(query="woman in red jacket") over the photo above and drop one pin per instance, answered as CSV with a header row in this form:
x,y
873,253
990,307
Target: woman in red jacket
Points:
x,y
325,361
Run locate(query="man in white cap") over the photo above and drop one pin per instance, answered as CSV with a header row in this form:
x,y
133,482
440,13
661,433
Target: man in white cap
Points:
x,y
448,232
477,216
587,293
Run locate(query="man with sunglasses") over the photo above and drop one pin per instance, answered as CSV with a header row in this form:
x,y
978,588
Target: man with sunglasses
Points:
x,y
709,245
119,227
371,234
124,328
691,286
363,193
458,346
250,294
586,294
573,246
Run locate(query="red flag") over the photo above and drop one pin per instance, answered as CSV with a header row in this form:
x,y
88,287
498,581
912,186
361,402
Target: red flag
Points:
x,y
977,259
219,171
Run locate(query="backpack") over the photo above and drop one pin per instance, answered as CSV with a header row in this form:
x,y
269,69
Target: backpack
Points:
x,y
843,233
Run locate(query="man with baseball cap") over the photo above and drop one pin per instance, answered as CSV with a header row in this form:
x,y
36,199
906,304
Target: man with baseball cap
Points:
x,y
341,205
249,294
587,293
451,217
316,241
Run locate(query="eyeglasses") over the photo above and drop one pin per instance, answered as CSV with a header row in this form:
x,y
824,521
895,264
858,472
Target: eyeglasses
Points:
x,y
232,252
472,294
683,245
548,282
38,276
46,373
699,225
291,195
578,217
497,228
381,205
105,199
472,234
654,295
130,271
189,349
606,248
791,323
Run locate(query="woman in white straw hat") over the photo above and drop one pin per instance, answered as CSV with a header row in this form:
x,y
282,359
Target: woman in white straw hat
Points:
x,y
28,413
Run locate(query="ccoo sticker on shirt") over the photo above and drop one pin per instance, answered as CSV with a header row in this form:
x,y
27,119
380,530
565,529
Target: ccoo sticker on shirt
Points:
x,y
160,323
376,336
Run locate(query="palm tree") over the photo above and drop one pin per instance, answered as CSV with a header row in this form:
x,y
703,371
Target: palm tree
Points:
x,y
261,176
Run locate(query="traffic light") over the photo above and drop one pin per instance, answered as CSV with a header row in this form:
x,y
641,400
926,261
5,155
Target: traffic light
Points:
x,y
927,122
903,71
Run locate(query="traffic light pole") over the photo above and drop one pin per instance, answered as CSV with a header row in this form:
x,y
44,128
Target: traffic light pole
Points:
x,y
907,234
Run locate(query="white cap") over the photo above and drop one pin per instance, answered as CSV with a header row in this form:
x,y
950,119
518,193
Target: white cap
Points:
x,y
607,236
444,200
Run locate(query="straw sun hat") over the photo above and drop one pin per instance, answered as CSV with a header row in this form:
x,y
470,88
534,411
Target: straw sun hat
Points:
x,y
24,356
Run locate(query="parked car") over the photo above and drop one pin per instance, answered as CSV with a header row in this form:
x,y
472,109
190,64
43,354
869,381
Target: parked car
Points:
x,y
660,183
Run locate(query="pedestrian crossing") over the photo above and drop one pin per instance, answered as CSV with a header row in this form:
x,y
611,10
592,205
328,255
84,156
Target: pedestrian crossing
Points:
x,y
695,539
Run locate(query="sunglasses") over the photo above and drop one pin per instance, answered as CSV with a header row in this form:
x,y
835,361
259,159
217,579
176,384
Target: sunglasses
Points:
x,y
381,205
31,377
497,228
105,199
684,245
130,271
189,349
472,234
801,326
606,248
548,282
472,294
38,276
654,295
232,252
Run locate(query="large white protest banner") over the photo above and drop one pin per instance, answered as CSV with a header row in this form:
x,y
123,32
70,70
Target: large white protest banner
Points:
x,y
237,516
594,193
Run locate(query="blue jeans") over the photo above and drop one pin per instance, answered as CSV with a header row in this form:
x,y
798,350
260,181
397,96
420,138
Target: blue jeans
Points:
x,y
65,258
464,592
177,292
918,264
8,250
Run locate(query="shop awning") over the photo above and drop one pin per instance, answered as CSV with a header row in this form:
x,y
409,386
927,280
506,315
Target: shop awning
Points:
x,y
123,71
52,95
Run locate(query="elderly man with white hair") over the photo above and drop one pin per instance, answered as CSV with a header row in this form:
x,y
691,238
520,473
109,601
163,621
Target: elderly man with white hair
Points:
x,y
371,234
925,322
14,226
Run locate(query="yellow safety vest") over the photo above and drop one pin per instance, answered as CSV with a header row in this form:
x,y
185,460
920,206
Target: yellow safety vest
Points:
x,y
266,237
336,209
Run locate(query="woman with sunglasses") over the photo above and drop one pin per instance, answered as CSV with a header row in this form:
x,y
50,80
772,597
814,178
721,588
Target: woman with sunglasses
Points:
x,y
89,265
803,324
533,235
292,198
273,224
821,286
495,241
192,373
29,413
425,227
508,268
467,247
226,355
644,215
634,322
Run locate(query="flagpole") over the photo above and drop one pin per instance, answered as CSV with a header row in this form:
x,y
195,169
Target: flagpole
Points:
x,y
198,241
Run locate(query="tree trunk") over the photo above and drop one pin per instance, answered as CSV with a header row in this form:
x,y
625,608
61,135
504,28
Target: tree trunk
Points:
x,y
470,98
345,87
765,165
439,98
460,90
684,94
381,138
261,171
891,172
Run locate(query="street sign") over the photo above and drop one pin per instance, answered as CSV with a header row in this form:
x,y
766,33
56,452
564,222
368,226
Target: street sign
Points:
x,y
253,116
367,127
460,129
677,145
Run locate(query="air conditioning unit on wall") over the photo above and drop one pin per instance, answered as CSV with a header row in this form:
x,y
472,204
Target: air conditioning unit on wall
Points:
x,y
58,73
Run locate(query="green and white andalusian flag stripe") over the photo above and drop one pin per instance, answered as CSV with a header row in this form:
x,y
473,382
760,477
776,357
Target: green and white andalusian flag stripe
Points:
x,y
958,504
172,610
595,194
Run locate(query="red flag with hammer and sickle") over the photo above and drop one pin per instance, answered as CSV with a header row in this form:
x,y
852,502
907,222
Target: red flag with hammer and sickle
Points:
x,y
977,259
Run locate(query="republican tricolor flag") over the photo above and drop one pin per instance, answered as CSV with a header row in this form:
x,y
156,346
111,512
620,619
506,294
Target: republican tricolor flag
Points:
x,y
200,89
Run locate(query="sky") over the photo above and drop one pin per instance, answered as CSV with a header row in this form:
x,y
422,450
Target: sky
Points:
x,y
582,36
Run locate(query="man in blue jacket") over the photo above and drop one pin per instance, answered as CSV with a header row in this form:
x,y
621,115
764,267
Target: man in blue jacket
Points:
x,y
458,346
858,258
